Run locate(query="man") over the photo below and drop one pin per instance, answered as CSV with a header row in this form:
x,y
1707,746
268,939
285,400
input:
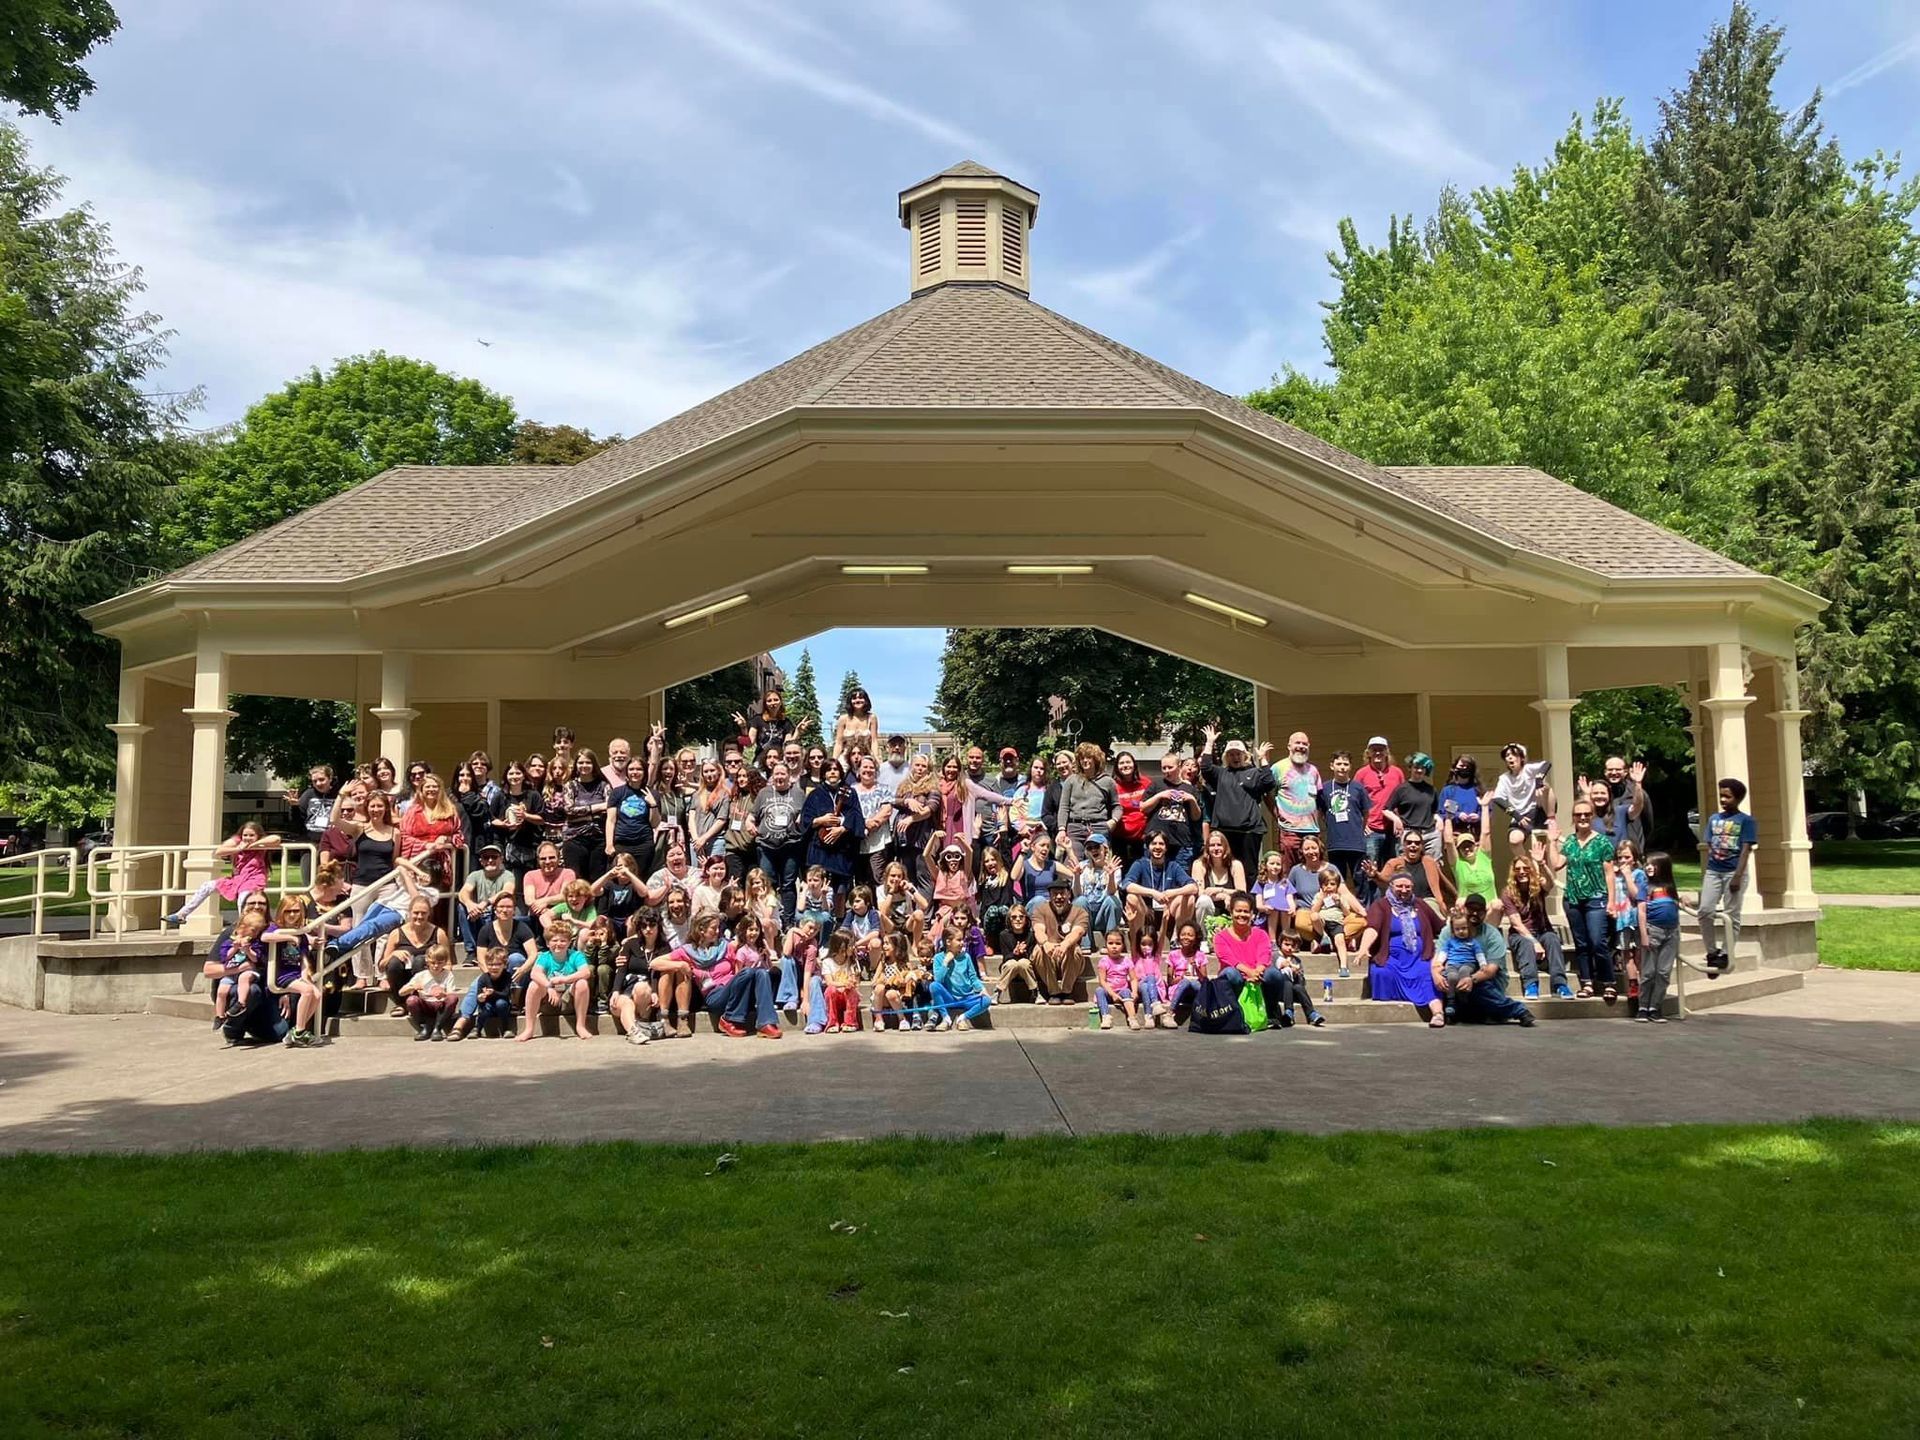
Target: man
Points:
x,y
1173,811
1061,930
314,806
1482,997
619,752
1729,839
1240,788
896,767
1626,787
1344,802
1008,783
1160,892
1050,812
984,815
782,838
1413,861
474,903
1379,777
1295,799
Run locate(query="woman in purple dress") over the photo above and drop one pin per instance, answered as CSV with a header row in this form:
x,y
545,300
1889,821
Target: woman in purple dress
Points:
x,y
1398,944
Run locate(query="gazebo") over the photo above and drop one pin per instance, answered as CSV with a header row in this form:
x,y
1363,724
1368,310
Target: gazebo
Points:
x,y
968,457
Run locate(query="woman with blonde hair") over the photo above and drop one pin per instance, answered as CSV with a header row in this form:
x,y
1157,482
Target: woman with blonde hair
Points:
x,y
1522,912
858,723
431,829
916,807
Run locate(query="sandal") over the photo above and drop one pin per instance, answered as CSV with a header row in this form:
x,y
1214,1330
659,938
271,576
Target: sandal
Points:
x,y
1437,1022
1586,993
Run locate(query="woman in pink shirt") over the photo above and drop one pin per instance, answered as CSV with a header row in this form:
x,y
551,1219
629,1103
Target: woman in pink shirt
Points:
x,y
1249,951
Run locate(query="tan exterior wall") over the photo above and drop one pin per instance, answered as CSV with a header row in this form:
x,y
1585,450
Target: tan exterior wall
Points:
x,y
1478,725
527,725
445,733
1765,797
1341,722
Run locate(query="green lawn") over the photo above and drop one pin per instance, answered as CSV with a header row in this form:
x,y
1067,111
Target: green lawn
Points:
x,y
1857,938
1600,1282
16,882
1867,867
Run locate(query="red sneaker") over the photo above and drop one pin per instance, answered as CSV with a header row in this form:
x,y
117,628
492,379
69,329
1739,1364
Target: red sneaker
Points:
x,y
727,1027
769,1032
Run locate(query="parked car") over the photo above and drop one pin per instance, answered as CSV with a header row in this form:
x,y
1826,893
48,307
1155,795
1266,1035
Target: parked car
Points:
x,y
1827,825
1904,826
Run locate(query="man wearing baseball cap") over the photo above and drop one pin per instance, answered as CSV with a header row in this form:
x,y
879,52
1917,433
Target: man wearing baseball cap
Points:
x,y
1379,777
1061,930
475,901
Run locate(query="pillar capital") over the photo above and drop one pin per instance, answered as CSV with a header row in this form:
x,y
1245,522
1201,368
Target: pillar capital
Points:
x,y
393,714
212,715
1734,703
128,729
1781,717
1552,707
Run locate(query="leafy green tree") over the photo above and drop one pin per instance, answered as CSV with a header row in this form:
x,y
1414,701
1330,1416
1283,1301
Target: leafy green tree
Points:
x,y
995,686
537,444
803,700
325,433
290,736
87,456
701,711
849,683
42,43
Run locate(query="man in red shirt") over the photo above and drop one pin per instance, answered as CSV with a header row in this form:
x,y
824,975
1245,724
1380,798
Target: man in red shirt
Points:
x,y
1379,777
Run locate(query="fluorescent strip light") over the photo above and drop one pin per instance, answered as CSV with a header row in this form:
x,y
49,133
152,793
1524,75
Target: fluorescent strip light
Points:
x,y
1049,569
883,569
705,610
1218,607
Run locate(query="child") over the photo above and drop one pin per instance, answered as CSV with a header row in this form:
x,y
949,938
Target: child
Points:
x,y
952,880
597,943
1629,894
630,994
577,906
816,901
489,1000
1272,895
862,922
1659,919
956,983
1336,917
289,953
841,976
237,961
922,974
248,851
1150,977
893,984
559,977
1117,985
1185,967
1458,957
1016,957
430,998
1287,962
798,968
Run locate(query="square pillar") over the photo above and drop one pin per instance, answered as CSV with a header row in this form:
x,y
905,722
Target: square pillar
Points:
x,y
207,786
1789,823
130,733
1726,705
1555,709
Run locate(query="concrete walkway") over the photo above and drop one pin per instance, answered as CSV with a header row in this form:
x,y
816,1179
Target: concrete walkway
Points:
x,y
135,1082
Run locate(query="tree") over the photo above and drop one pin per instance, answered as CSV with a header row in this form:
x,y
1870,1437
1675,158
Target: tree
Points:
x,y
995,686
701,711
325,433
42,43
537,444
87,456
849,683
803,701
289,736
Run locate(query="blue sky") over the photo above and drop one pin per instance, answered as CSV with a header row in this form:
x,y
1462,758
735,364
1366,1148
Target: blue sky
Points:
x,y
638,204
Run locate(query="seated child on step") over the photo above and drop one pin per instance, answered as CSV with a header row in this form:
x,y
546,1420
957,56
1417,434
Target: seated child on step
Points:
x,y
1185,966
862,922
1150,979
1116,984
1458,957
840,974
893,984
430,998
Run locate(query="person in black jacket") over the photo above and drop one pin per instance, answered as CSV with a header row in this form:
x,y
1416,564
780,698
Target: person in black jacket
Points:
x,y
1239,787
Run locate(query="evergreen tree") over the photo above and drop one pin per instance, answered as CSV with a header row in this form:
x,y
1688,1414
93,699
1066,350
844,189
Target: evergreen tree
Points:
x,y
87,455
849,683
701,711
803,701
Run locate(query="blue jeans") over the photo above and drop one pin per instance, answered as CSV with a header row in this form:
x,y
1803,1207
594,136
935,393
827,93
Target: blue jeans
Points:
x,y
1489,1003
971,1007
468,928
1592,937
743,998
787,993
1103,912
1183,994
381,920
782,865
477,1012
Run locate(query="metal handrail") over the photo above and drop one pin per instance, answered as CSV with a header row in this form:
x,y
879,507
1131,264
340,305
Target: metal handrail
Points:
x,y
37,897
108,886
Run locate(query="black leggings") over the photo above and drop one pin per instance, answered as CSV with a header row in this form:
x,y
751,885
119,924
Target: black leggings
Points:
x,y
1245,845
586,856
1284,993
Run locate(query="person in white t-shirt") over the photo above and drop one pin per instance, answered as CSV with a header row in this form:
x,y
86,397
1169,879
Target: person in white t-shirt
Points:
x,y
1524,794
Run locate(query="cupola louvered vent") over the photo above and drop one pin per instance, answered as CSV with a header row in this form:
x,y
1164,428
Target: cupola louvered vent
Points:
x,y
969,225
928,248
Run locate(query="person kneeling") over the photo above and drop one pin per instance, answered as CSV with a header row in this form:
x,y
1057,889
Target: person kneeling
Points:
x,y
560,978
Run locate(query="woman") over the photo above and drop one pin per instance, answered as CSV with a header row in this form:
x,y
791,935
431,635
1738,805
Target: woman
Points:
x,y
1463,811
475,805
1029,802
376,845
505,930
994,896
1414,803
1087,799
1529,925
583,835
1247,948
1585,858
1239,788
876,812
1304,879
859,722
739,1000
1033,872
1330,917
916,805
831,817
387,779
431,830
405,954
1398,946
631,813
519,812
1015,949
707,812
743,851
675,872
1220,877
1128,833
767,732
958,792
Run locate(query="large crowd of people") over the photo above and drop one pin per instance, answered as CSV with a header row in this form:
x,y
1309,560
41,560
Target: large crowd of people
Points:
x,y
851,883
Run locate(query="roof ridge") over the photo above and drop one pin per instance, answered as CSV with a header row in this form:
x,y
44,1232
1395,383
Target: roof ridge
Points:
x,y
911,313
1078,336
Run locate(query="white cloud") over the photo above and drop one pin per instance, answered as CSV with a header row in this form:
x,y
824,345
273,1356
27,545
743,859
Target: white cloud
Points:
x,y
1875,66
1137,285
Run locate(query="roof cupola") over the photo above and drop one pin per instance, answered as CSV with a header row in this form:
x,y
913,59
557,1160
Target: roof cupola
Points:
x,y
968,224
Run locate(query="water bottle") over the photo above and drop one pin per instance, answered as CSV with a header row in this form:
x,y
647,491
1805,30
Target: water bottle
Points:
x,y
1326,989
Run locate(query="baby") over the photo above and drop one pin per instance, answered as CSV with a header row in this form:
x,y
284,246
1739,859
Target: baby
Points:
x,y
1461,956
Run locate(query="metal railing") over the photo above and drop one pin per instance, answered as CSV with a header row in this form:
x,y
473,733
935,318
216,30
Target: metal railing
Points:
x,y
64,858
116,877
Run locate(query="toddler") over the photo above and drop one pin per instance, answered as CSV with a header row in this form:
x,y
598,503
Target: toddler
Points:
x,y
429,996
841,976
1150,978
237,962
1117,985
1460,955
489,1000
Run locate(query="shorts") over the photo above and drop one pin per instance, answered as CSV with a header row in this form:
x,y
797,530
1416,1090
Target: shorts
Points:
x,y
629,979
1533,818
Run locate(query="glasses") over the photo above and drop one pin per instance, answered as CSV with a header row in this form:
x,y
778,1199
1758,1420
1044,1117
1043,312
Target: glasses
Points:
x,y
1583,814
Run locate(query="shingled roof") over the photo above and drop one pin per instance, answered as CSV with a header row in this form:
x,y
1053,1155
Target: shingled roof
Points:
x,y
956,347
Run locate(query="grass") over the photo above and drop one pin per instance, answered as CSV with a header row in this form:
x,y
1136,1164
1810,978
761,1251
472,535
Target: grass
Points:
x,y
16,883
1846,867
1857,938
1600,1282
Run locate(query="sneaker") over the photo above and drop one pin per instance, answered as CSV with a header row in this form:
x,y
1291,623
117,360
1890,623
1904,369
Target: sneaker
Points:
x,y
218,1021
1345,973
1641,1017
1039,999
817,1029
420,1032
1448,1009
728,1028
1106,1021
1316,1019
1133,1022
437,1035
654,1029
1561,992
943,1023
683,1031
1526,1020
1657,1018
637,1033
963,1023
1532,992
171,922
